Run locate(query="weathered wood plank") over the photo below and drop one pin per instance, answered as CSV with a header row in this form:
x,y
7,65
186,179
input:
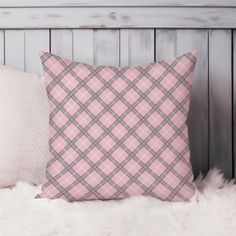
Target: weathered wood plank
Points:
x,y
2,45
22,49
106,47
234,101
65,3
189,40
169,44
166,42
35,41
220,92
83,45
15,49
137,47
62,43
124,47
118,17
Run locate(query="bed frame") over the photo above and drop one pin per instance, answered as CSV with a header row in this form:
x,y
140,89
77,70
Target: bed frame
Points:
x,y
128,32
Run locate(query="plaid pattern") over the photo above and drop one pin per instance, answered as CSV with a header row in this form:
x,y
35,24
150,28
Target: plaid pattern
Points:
x,y
118,131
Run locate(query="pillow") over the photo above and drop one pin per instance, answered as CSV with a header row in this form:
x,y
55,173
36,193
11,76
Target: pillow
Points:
x,y
118,131
24,119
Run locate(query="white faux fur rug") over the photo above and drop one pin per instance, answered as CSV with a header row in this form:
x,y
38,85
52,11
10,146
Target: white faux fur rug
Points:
x,y
212,212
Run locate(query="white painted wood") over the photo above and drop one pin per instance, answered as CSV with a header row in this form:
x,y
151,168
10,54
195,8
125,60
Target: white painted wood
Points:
x,y
188,40
118,17
22,49
124,47
169,44
62,43
220,94
137,47
66,3
234,101
106,47
83,45
35,42
166,41
15,49
2,50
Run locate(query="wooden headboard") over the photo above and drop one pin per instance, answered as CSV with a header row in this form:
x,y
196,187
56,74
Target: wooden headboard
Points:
x,y
128,32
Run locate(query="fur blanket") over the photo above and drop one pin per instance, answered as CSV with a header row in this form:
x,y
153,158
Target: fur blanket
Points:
x,y
212,212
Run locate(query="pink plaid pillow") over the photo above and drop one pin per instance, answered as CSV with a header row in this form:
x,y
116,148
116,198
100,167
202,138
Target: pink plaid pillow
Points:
x,y
118,131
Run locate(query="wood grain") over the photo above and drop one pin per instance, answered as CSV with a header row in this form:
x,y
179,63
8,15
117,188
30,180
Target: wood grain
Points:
x,y
2,47
166,43
83,45
189,40
169,44
62,43
35,41
234,103
220,95
15,49
22,49
106,47
118,17
137,47
66,3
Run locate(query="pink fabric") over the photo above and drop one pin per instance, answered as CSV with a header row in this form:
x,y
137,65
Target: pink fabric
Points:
x,y
118,131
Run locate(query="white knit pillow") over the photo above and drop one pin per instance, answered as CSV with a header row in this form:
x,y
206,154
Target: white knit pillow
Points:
x,y
23,127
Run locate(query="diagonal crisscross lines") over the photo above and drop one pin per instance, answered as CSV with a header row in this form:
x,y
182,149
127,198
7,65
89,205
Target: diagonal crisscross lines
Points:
x,y
118,131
